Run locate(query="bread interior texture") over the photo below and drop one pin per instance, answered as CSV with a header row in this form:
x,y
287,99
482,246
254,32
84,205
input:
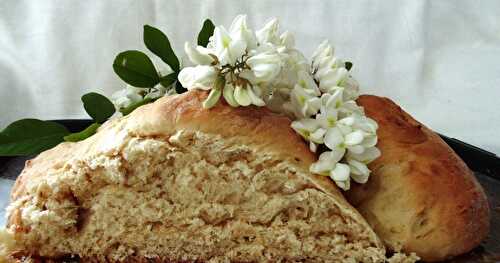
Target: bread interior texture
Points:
x,y
190,196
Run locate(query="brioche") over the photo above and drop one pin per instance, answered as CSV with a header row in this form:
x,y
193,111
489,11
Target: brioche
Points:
x,y
421,197
175,182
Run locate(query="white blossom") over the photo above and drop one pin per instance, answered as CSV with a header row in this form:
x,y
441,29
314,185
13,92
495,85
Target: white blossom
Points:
x,y
198,55
340,175
269,33
303,102
265,66
367,156
243,96
287,40
198,77
326,161
228,48
324,50
310,130
127,96
240,30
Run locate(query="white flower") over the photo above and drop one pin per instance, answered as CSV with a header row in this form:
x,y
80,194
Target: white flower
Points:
x,y
198,55
331,78
294,62
287,40
265,66
228,48
340,174
310,130
367,156
127,96
359,171
264,69
332,74
324,50
305,81
329,110
303,102
326,161
304,97
351,88
269,33
198,77
240,30
243,95
256,95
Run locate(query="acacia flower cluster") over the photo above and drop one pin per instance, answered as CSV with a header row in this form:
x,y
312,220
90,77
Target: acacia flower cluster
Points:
x,y
263,68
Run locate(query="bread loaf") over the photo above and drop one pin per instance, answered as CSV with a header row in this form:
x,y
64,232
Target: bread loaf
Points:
x,y
421,197
175,182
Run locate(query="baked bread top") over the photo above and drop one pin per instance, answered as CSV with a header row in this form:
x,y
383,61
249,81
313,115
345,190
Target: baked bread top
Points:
x,y
421,197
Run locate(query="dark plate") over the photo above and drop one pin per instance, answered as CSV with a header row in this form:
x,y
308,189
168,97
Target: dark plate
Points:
x,y
486,167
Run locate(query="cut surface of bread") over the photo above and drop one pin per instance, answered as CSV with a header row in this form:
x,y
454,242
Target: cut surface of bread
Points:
x,y
421,197
176,182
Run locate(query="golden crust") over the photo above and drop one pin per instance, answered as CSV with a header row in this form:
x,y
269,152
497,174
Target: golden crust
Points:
x,y
421,196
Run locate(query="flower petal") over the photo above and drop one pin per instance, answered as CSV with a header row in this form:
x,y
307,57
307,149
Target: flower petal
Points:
x,y
313,147
212,98
333,138
370,141
317,136
241,96
340,174
228,93
366,156
337,154
326,162
198,55
254,98
269,33
345,185
199,77
354,138
305,127
356,149
323,50
287,39
359,171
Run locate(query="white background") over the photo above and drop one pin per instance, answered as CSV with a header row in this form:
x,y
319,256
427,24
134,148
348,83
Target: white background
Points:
x,y
439,60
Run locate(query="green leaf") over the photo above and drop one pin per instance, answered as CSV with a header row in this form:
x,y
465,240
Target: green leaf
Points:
x,y
348,65
168,80
80,136
133,106
179,88
206,32
157,42
30,136
98,106
135,68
